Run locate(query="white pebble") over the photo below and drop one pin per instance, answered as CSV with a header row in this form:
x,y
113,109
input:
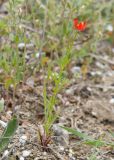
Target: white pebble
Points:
x,y
89,89
100,65
27,57
111,101
26,153
94,113
23,139
30,82
99,73
21,46
110,28
36,158
72,158
21,158
93,73
75,69
44,153
5,154
37,55
3,124
109,74
70,155
61,148
70,91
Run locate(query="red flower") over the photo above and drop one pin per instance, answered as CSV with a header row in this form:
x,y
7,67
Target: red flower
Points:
x,y
79,26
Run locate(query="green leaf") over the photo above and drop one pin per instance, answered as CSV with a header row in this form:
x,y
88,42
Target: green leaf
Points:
x,y
88,140
76,133
8,133
96,143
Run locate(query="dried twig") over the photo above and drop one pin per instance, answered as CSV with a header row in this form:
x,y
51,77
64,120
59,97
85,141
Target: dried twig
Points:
x,y
102,58
102,87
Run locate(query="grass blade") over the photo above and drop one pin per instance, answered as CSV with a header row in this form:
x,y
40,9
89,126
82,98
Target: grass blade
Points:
x,y
8,133
76,133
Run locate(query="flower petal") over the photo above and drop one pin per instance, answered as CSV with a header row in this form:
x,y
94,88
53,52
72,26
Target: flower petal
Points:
x,y
79,26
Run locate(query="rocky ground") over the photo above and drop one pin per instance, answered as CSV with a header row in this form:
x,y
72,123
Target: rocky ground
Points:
x,y
87,104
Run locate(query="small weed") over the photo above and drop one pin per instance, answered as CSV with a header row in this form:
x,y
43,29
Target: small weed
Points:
x,y
48,24
88,140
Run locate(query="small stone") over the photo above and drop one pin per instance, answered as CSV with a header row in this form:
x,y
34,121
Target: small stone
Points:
x,y
3,124
26,153
93,73
30,82
109,28
89,89
61,148
67,103
109,73
69,91
75,69
72,158
17,107
37,55
44,153
21,46
99,73
111,101
94,114
23,139
100,65
70,155
27,57
5,154
61,135
71,151
21,158
36,158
